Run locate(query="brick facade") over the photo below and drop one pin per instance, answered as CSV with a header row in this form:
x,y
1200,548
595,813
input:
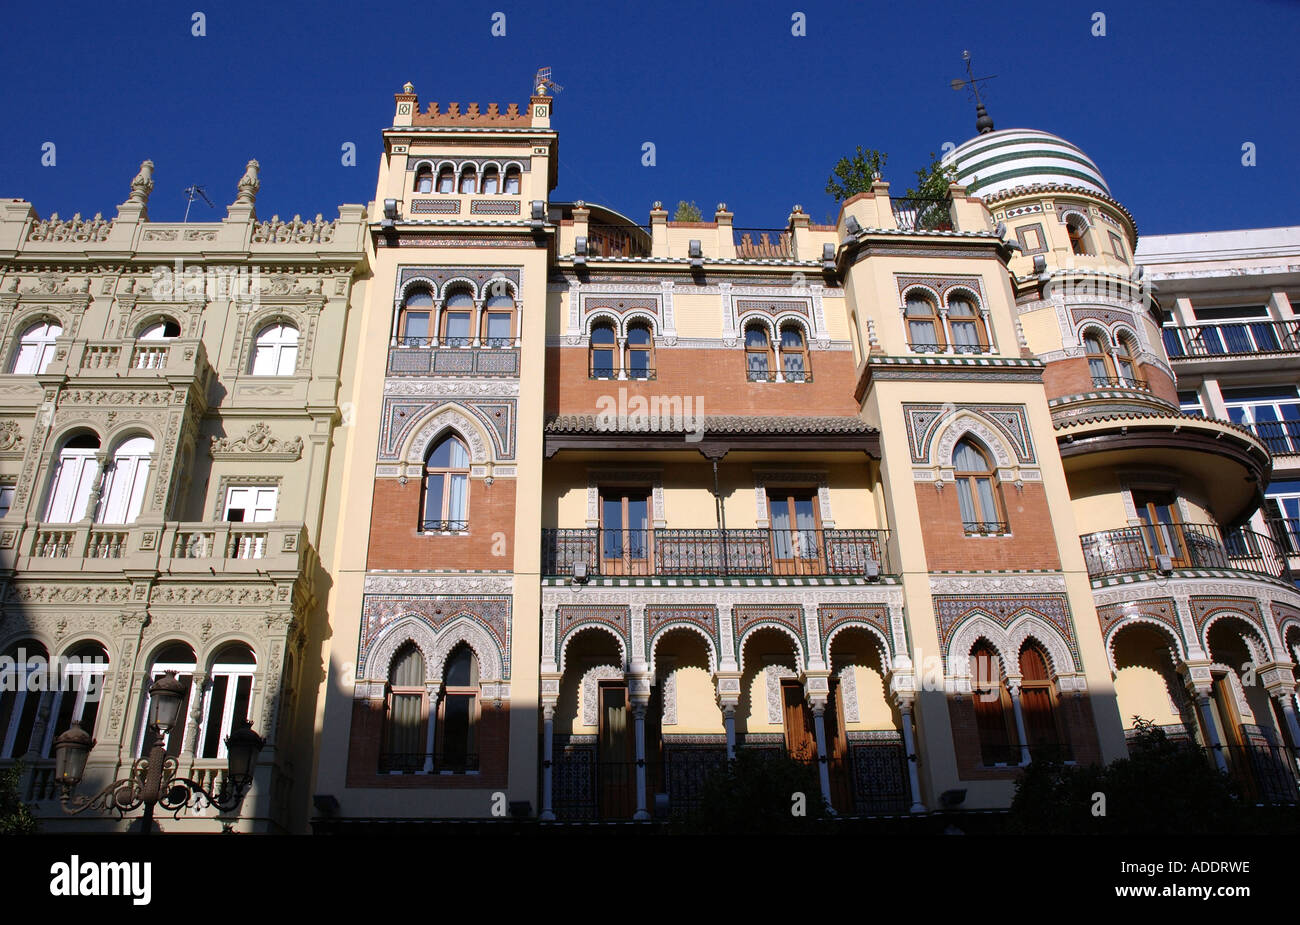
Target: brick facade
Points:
x,y
1031,545
397,543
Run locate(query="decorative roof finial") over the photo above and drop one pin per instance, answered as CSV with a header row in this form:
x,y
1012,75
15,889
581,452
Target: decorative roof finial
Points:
x,y
249,183
983,121
408,87
142,185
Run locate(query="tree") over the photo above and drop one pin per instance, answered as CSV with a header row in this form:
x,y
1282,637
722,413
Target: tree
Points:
x,y
932,180
15,816
757,794
687,212
1164,787
853,175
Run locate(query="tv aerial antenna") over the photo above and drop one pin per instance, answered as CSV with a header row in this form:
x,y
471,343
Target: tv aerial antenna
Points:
x,y
543,82
983,121
193,192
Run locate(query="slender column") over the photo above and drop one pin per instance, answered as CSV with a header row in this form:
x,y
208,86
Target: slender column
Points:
x,y
823,764
1020,723
776,352
397,316
103,465
947,331
548,752
620,345
729,723
431,733
641,815
1211,734
1284,700
909,745
198,693
988,330
478,322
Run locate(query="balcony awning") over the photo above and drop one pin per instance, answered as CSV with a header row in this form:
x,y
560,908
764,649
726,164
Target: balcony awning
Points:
x,y
713,435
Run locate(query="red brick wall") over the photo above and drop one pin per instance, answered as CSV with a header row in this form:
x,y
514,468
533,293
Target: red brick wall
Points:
x,y
396,542
1162,386
367,736
1072,377
1031,544
718,375
1074,712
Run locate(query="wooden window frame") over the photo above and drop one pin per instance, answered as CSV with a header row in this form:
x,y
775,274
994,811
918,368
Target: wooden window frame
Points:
x,y
474,692
969,479
804,373
447,173
768,373
1005,709
983,342
626,563
391,692
422,175
612,347
935,320
445,473
648,348
446,310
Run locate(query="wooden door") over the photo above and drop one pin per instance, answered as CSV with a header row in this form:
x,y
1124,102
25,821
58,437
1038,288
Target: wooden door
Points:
x,y
837,750
625,535
796,533
800,737
1162,530
616,754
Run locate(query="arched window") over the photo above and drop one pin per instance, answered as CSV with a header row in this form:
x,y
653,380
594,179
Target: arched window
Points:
x,y
77,699
994,717
1077,228
20,697
498,321
1099,361
179,658
456,315
407,717
149,352
36,348
458,713
794,354
491,181
122,496
163,329
640,353
424,179
276,350
468,179
969,335
227,698
74,477
446,487
758,354
414,323
924,328
512,181
602,352
1038,706
446,179
977,490
1126,365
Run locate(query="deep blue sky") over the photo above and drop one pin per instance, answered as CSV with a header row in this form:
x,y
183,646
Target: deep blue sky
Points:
x,y
739,109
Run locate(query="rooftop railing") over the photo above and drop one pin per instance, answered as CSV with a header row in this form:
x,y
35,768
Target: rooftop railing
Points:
x,y
1246,338
920,213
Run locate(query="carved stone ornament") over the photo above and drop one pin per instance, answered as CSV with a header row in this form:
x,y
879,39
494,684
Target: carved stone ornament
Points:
x,y
11,438
257,442
142,185
249,183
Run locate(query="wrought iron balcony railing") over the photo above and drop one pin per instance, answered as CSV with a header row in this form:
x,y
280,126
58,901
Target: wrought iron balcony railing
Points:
x,y
1244,338
711,552
601,371
986,528
1120,382
417,762
444,526
1149,547
1281,437
923,213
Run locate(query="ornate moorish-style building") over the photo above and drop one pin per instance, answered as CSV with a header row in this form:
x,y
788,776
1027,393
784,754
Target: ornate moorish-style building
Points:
x,y
168,408
913,497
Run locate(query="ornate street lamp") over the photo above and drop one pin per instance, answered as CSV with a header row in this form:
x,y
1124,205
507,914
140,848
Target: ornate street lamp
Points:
x,y
153,779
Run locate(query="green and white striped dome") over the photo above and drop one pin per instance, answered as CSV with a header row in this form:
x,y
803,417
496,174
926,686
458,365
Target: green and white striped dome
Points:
x,y
998,161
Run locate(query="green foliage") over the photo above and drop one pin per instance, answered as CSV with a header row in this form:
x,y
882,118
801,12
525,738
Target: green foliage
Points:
x,y
932,180
754,794
687,212
15,816
853,175
1164,787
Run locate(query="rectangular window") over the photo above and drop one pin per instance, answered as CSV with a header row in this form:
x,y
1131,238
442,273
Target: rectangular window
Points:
x,y
1190,403
416,333
254,504
625,531
1272,412
498,329
6,499
457,328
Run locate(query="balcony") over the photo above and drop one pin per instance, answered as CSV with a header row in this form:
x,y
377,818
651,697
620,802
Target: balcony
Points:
x,y
1120,382
135,359
716,553
198,548
1247,338
923,213
763,243
1146,547
1281,437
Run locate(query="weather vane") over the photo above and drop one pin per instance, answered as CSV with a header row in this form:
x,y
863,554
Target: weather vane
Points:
x,y
983,121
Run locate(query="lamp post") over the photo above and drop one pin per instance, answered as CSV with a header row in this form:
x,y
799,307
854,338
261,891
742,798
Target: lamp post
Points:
x,y
153,780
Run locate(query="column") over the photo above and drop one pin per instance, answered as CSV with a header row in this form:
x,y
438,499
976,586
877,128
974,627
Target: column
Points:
x,y
431,689
823,766
909,746
947,330
729,724
620,345
641,814
1211,734
102,467
1020,722
1285,702
478,323
548,751
776,352
397,317
198,693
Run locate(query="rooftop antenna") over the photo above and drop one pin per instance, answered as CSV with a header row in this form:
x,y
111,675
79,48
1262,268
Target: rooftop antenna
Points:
x,y
983,121
191,192
542,82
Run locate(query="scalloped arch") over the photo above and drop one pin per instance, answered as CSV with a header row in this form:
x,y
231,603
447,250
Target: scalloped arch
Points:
x,y
689,627
882,644
801,661
593,627
431,425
